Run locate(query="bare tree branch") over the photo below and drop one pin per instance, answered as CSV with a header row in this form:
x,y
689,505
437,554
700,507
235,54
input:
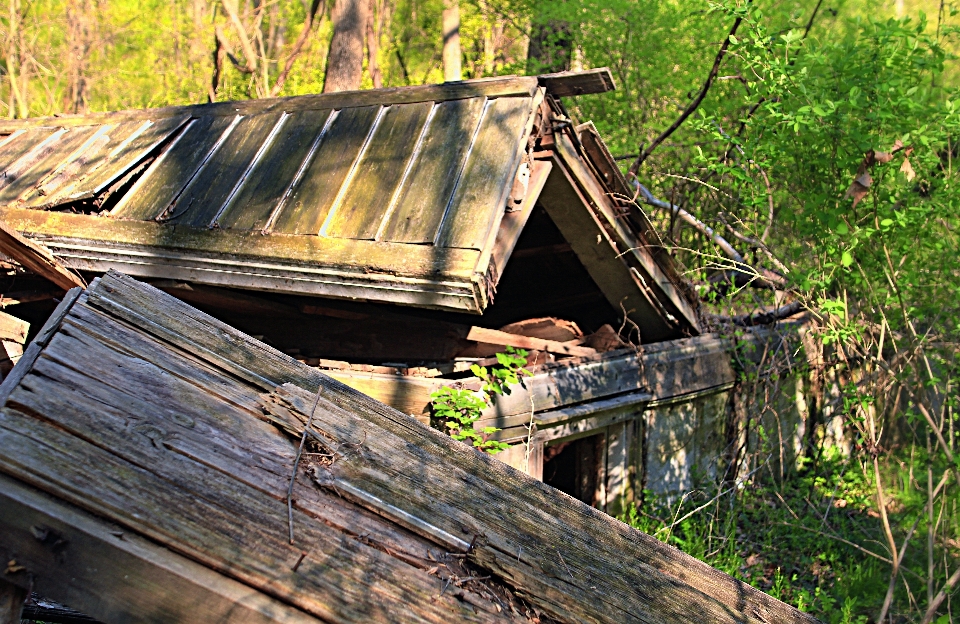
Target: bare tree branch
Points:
x,y
297,48
251,57
644,154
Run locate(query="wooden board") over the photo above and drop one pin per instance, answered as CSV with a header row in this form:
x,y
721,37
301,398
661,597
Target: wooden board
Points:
x,y
36,258
275,172
160,185
564,84
433,175
100,568
379,172
162,441
223,173
21,176
13,329
485,182
20,142
310,201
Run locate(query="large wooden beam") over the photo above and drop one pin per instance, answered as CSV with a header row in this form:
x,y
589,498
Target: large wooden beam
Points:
x,y
37,258
113,574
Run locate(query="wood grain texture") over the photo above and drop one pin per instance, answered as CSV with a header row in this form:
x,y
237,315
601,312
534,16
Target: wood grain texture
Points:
x,y
182,461
36,258
433,176
275,172
478,201
28,170
160,185
565,84
115,575
379,172
310,202
207,193
495,337
13,329
20,142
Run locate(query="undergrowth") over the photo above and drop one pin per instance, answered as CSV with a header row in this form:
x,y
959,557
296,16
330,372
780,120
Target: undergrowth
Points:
x,y
815,541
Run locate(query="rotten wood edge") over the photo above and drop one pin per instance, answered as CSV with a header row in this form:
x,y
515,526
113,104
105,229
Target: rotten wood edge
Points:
x,y
115,575
32,351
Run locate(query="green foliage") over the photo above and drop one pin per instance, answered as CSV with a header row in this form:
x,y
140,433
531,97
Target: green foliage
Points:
x,y
455,410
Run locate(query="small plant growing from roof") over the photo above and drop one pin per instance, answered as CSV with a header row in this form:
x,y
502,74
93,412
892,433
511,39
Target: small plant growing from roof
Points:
x,y
456,410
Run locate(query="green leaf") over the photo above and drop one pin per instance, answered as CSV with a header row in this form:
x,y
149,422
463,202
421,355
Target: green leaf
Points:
x,y
842,229
847,259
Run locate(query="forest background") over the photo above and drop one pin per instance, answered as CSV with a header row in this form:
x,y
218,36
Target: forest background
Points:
x,y
796,154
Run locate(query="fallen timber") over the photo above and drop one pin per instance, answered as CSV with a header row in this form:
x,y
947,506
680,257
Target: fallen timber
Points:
x,y
146,451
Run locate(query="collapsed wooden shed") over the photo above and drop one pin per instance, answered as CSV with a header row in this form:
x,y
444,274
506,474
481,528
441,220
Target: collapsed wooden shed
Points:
x,y
394,237
147,456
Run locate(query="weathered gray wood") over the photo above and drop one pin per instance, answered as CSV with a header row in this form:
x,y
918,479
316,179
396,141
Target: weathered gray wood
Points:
x,y
160,185
275,172
39,342
20,142
36,258
156,483
564,84
20,178
115,575
604,262
379,172
485,182
649,274
505,86
433,176
205,196
309,204
588,564
83,163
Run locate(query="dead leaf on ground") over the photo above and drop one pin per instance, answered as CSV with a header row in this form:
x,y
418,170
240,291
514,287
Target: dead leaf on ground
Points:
x,y
753,560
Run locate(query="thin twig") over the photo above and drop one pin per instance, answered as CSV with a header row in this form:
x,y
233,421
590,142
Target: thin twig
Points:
x,y
635,167
296,462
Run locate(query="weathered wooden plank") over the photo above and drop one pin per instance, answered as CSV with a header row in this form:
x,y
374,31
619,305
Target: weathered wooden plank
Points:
x,y
160,185
116,576
421,480
433,175
37,151
504,86
27,171
514,220
275,172
223,174
485,181
36,258
124,154
309,204
189,507
89,233
13,329
604,262
20,142
674,300
494,337
83,163
379,171
565,84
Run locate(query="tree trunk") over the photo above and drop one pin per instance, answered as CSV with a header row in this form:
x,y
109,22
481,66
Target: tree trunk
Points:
x,y
80,16
451,41
345,59
551,47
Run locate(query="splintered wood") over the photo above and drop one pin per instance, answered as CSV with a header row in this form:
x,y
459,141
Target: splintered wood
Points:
x,y
37,258
180,433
